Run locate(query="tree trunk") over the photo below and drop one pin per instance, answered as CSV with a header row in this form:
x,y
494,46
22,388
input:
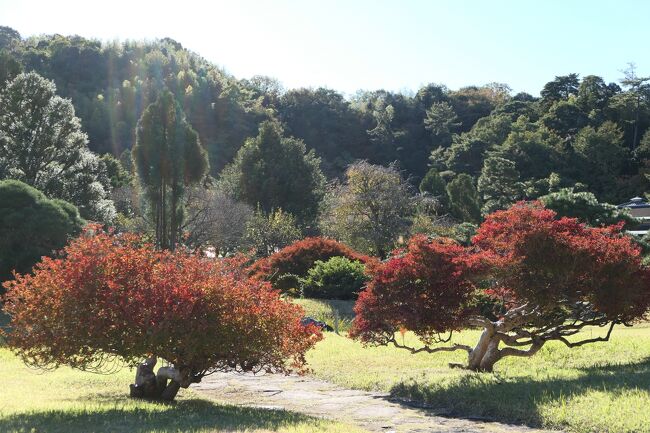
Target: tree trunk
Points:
x,y
163,385
170,391
174,218
491,356
636,122
145,385
157,215
476,356
164,243
487,352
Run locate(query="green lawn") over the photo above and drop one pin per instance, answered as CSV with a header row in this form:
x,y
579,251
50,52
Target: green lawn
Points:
x,y
332,312
68,401
603,387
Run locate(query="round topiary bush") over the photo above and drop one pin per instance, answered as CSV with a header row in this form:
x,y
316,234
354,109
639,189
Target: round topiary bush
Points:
x,y
337,278
31,226
300,256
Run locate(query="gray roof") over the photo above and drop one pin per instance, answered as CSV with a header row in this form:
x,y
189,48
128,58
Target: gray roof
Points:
x,y
634,203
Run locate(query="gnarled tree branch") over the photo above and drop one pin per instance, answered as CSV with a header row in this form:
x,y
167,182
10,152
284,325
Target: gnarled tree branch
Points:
x,y
589,340
511,351
428,349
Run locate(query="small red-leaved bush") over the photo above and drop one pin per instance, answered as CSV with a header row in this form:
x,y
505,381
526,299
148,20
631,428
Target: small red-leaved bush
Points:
x,y
113,297
299,257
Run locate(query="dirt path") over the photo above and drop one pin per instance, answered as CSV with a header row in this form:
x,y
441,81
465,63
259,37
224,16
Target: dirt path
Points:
x,y
371,411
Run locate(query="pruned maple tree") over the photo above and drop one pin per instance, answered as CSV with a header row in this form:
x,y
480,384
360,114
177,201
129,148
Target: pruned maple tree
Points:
x,y
528,278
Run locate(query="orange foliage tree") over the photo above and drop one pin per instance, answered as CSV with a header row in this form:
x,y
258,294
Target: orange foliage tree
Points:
x,y
115,298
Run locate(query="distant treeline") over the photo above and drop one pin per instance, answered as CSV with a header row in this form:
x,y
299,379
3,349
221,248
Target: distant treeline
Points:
x,y
582,132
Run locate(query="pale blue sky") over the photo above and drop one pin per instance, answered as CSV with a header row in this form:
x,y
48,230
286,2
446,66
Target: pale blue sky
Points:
x,y
353,44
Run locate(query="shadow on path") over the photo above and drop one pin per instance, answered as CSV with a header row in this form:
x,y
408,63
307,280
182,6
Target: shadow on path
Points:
x,y
375,412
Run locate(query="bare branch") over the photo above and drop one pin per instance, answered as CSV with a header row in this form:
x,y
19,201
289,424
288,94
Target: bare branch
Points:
x,y
516,311
428,349
439,339
589,340
480,322
534,348
513,340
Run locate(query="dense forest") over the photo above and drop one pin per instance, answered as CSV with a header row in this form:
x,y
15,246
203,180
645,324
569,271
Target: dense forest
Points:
x,y
291,156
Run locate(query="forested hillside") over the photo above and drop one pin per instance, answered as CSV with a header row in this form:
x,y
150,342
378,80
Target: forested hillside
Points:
x,y
582,128
471,150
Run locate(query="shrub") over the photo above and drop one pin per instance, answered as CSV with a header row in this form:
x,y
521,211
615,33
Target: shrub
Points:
x,y
432,183
289,284
116,296
31,226
300,256
337,278
585,207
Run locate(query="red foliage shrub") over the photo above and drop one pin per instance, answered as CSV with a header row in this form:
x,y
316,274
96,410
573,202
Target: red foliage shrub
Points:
x,y
549,277
300,256
424,289
115,296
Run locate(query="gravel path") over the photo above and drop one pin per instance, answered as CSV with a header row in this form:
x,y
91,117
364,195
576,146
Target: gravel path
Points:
x,y
374,412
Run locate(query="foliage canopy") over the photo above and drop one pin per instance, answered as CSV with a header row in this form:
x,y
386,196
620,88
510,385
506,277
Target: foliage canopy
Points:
x,y
527,279
133,301
32,226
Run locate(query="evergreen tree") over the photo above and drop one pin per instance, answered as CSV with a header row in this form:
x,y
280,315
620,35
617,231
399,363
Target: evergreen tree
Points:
x,y
43,145
434,185
168,157
584,206
498,184
442,121
276,172
464,198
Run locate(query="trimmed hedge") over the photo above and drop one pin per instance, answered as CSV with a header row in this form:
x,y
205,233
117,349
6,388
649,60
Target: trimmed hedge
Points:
x,y
337,278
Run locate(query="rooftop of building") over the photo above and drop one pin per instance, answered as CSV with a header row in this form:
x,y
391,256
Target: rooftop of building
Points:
x,y
634,203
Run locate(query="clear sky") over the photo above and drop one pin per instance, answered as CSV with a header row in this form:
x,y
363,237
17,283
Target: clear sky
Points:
x,y
353,44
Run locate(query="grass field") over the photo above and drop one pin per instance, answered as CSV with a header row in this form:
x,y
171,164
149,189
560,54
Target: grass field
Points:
x,y
603,387
332,312
68,401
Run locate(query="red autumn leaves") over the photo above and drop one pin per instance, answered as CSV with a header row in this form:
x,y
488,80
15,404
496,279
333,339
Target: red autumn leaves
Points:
x,y
560,269
116,295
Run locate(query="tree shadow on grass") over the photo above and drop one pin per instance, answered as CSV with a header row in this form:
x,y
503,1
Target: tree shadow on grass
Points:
x,y
184,416
517,400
